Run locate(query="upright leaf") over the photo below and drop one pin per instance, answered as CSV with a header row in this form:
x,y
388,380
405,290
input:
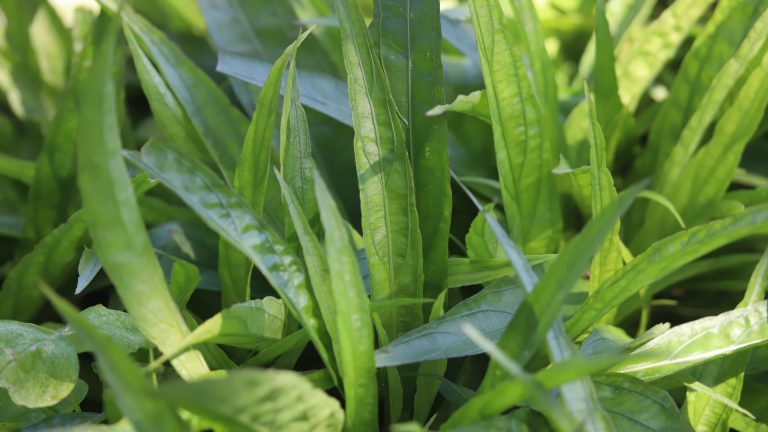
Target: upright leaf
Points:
x,y
296,163
354,345
523,154
124,249
135,396
608,258
251,178
409,43
390,220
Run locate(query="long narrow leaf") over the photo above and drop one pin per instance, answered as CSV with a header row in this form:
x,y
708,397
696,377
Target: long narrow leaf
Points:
x,y
354,346
390,221
523,154
409,43
123,249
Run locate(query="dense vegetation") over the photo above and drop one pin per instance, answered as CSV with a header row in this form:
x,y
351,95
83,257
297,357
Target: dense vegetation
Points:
x,y
410,215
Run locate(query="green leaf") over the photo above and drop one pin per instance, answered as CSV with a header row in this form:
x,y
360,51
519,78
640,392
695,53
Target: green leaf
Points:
x,y
251,177
698,341
388,200
542,307
524,155
314,258
543,401
123,249
489,311
354,345
695,180
408,38
185,277
296,163
17,169
258,399
229,215
116,325
474,104
135,397
52,260
319,91
38,367
465,272
20,415
638,64
255,324
608,258
511,392
87,269
723,379
36,48
712,50
663,258
635,405
217,123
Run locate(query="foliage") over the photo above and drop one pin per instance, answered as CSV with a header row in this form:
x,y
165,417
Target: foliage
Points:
x,y
367,215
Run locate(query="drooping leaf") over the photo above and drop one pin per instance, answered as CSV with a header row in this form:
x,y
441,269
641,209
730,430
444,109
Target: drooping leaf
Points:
x,y
388,201
123,249
230,216
137,399
354,344
524,154
38,367
662,258
258,399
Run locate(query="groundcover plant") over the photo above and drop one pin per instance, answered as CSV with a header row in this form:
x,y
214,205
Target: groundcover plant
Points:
x,y
362,215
